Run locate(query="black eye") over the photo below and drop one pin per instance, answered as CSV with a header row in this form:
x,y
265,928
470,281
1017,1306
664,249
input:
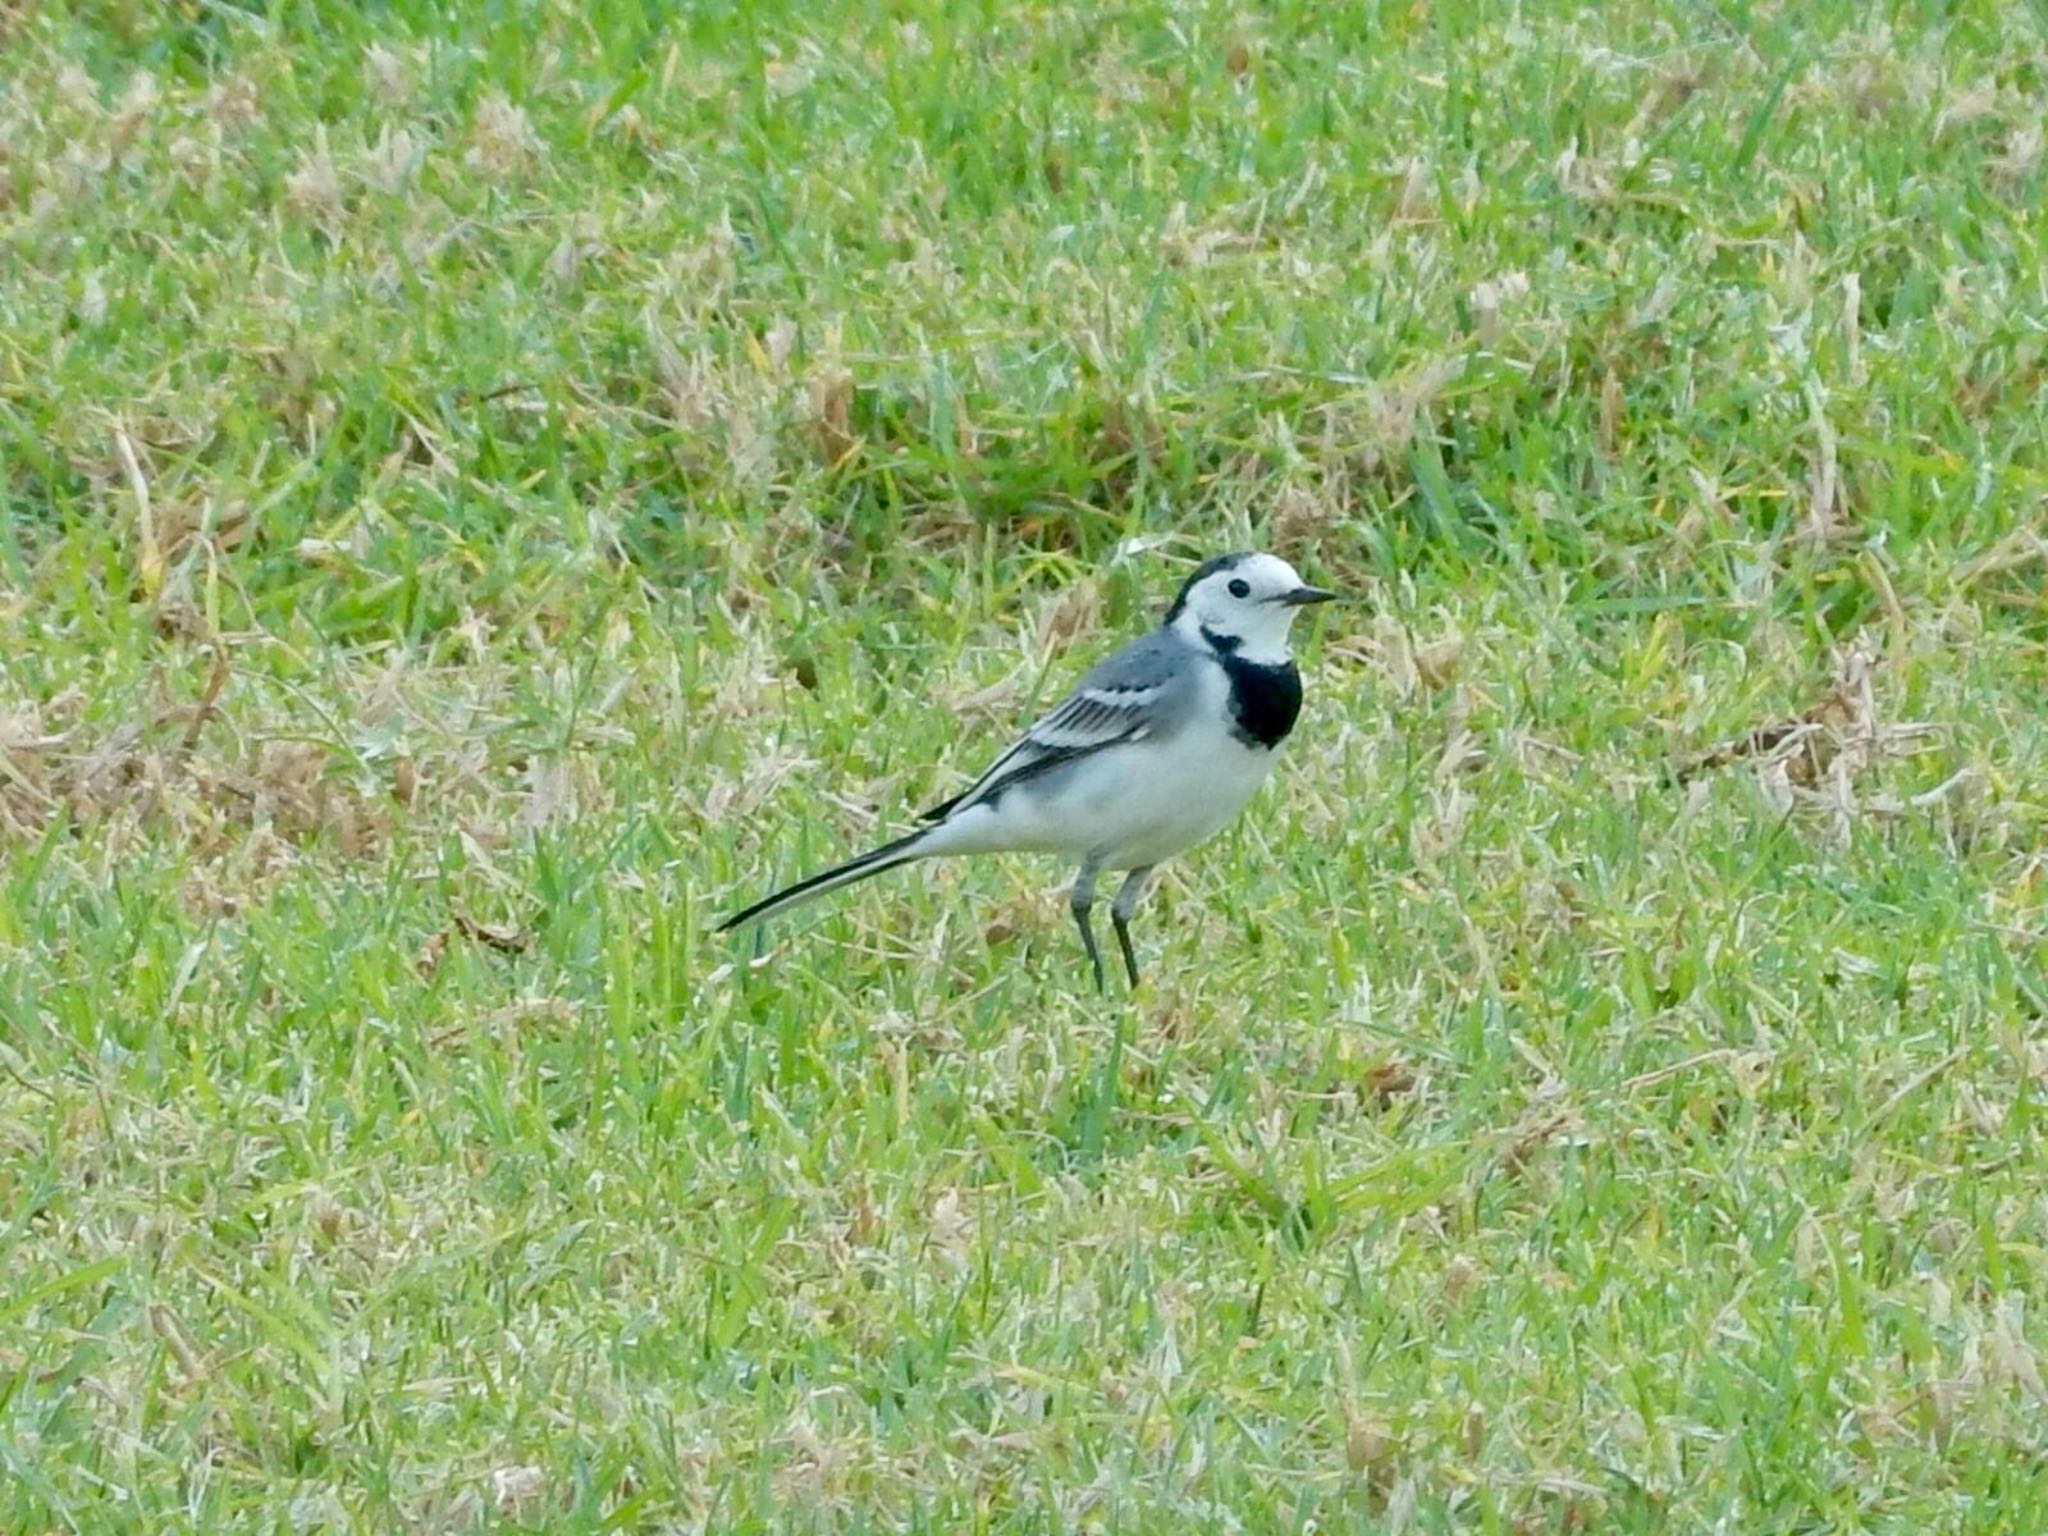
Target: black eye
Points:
x,y
1239,587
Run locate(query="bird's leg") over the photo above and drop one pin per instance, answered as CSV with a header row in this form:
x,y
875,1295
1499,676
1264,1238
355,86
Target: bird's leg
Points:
x,y
1082,898
1120,912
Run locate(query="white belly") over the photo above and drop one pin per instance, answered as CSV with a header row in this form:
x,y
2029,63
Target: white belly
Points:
x,y
1147,808
1128,806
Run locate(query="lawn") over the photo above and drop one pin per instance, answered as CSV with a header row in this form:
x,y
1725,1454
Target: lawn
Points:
x,y
487,489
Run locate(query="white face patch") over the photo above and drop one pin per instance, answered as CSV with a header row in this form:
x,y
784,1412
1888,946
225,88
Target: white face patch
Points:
x,y
1243,605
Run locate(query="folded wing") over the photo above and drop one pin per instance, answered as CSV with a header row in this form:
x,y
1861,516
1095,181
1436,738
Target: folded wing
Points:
x,y
1117,703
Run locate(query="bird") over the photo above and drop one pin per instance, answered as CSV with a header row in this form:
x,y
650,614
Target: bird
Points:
x,y
1156,749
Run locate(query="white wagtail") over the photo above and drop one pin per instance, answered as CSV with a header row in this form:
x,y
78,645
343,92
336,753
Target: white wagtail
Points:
x,y
1153,752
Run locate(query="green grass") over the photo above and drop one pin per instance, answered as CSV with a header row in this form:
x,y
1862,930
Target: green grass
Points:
x,y
599,463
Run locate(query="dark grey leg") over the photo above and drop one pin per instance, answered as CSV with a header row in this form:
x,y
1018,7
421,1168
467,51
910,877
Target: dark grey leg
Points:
x,y
1120,914
1082,898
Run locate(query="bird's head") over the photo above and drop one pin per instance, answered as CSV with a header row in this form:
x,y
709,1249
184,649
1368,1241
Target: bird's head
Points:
x,y
1243,604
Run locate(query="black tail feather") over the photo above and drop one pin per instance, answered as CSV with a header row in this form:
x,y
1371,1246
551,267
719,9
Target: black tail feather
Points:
x,y
873,862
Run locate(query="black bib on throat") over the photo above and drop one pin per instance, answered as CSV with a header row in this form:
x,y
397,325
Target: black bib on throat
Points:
x,y
1264,700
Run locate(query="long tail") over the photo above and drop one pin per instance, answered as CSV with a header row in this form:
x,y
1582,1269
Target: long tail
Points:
x,y
903,851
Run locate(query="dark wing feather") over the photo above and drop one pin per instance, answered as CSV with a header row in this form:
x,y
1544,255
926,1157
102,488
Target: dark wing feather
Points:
x,y
1115,703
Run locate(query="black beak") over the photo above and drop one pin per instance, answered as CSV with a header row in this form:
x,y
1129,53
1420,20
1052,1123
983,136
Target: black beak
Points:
x,y
1301,597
